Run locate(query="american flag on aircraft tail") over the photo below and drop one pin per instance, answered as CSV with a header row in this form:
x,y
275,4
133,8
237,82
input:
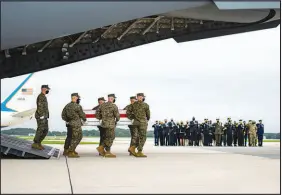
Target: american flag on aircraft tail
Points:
x,y
27,91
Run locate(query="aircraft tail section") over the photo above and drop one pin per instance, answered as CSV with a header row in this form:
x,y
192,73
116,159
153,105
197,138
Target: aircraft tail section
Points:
x,y
23,98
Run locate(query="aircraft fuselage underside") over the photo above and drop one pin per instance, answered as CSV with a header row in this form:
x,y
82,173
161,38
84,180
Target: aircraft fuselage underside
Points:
x,y
92,43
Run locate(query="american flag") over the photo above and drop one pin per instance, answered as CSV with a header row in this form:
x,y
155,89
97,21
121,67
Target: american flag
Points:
x,y
27,91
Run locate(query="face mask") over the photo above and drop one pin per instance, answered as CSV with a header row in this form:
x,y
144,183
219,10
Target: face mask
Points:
x,y
78,101
47,92
143,99
114,101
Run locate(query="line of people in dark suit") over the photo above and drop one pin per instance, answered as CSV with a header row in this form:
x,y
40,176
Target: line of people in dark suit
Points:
x,y
207,133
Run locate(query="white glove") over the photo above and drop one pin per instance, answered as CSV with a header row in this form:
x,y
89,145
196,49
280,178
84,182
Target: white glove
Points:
x,y
42,117
132,121
100,121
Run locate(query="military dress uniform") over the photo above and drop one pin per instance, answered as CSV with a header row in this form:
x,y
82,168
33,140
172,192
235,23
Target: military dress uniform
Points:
x,y
205,130
246,133
211,133
260,132
240,130
73,115
229,132
41,115
193,128
108,113
140,114
235,133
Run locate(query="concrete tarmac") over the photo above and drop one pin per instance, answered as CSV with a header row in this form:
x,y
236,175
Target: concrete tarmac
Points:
x,y
166,170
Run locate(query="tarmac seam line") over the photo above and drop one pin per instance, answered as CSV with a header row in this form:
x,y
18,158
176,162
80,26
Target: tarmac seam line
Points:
x,y
69,174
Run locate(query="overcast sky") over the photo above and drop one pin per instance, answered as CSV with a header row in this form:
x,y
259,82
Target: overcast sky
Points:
x,y
233,76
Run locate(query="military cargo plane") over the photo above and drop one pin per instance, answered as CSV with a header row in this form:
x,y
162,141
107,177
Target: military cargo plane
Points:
x,y
37,36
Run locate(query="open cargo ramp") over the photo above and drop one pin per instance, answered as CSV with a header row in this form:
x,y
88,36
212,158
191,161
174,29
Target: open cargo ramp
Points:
x,y
13,147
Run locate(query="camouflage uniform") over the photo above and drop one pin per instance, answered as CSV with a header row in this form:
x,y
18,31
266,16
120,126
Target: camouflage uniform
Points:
x,y
132,128
108,113
73,114
252,132
140,114
218,132
102,132
41,115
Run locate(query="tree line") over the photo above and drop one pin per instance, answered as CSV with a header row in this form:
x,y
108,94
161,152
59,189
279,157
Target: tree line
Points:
x,y
95,133
86,133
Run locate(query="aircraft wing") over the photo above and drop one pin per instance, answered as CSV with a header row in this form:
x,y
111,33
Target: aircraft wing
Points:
x,y
26,113
92,121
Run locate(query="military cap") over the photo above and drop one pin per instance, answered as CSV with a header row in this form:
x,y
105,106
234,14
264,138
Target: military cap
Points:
x,y
75,94
133,98
112,95
240,120
217,119
45,86
141,94
250,120
260,120
101,98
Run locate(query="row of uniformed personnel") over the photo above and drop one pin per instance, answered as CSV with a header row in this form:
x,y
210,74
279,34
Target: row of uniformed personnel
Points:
x,y
138,111
208,134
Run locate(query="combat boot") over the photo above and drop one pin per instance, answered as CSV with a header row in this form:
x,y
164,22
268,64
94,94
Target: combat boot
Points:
x,y
36,146
73,155
40,145
108,154
140,154
101,150
66,151
131,150
75,152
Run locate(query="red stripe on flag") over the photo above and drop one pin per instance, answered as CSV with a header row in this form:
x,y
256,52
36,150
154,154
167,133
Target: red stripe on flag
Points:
x,y
94,116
